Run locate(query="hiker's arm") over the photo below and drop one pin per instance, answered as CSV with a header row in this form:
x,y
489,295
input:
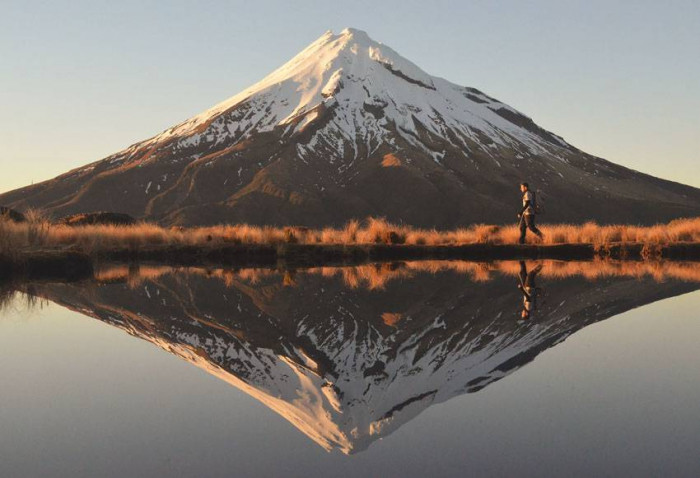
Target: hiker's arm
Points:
x,y
525,206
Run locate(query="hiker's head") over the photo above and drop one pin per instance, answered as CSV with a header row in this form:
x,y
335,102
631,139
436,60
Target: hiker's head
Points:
x,y
524,187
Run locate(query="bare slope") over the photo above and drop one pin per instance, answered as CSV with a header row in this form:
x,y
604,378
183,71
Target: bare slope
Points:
x,y
349,128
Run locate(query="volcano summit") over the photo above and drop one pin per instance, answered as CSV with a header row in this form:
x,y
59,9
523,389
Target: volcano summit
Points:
x,y
346,129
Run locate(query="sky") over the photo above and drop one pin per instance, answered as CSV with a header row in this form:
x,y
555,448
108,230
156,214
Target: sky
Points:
x,y
80,80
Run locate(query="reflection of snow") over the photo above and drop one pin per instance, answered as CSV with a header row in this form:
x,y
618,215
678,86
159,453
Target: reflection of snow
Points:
x,y
342,379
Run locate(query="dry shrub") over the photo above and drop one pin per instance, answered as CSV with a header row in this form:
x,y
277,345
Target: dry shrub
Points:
x,y
376,229
38,225
416,238
328,236
270,236
9,238
393,237
510,234
349,234
290,236
557,237
482,233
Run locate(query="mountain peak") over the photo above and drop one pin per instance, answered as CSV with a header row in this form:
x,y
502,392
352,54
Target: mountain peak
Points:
x,y
359,35
350,40
355,77
347,34
351,61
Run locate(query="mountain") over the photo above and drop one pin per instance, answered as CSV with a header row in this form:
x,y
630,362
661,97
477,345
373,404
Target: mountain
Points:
x,y
348,364
346,129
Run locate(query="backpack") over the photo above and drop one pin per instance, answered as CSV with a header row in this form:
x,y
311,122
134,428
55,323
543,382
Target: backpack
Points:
x,y
539,209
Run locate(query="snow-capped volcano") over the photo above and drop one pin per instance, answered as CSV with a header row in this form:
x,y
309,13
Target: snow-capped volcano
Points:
x,y
346,129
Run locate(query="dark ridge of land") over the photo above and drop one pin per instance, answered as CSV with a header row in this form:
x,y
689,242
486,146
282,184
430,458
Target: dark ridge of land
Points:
x,y
680,252
313,255
46,265
72,265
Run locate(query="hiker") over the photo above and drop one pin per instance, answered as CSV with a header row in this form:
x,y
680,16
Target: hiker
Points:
x,y
529,289
527,213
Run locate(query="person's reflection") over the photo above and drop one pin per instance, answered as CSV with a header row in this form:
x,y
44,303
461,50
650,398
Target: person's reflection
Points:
x,y
529,289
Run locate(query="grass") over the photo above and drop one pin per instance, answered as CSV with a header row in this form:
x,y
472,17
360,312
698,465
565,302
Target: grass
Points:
x,y
38,233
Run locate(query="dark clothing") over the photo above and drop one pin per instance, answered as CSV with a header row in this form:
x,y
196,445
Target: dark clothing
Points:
x,y
527,221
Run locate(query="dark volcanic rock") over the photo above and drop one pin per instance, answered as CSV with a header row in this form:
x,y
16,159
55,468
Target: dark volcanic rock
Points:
x,y
91,218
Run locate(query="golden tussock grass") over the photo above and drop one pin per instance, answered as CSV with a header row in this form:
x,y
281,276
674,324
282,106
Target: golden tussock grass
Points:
x,y
38,232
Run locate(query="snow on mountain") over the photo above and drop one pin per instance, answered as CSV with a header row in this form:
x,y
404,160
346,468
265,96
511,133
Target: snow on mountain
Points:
x,y
353,74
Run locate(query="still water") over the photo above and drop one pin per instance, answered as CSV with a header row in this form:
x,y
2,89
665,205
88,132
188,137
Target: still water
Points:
x,y
412,369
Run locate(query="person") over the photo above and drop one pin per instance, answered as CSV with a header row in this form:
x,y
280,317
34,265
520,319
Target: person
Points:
x,y
529,290
527,213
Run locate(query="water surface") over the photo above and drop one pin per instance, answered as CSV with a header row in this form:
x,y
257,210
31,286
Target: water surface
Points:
x,y
411,369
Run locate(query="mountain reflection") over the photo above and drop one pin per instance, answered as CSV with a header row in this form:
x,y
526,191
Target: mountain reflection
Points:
x,y
349,354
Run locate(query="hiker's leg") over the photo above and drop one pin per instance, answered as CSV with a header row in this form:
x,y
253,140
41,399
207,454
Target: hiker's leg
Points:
x,y
530,220
523,229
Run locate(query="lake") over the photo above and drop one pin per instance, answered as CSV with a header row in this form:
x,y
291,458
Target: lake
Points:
x,y
405,369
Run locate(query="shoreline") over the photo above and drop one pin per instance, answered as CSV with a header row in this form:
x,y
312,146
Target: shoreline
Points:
x,y
326,254
70,265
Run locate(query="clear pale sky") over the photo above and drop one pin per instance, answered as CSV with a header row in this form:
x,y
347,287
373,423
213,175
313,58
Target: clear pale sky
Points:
x,y
80,80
